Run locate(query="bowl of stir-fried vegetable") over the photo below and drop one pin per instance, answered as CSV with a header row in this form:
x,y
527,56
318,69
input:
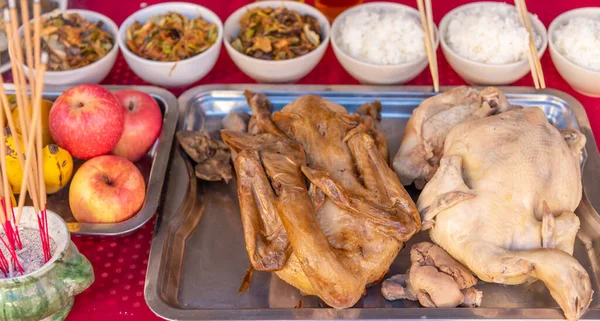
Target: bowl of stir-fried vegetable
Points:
x,y
171,44
81,46
276,41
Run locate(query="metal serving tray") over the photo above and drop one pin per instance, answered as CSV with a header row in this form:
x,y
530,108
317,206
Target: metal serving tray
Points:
x,y
153,167
198,256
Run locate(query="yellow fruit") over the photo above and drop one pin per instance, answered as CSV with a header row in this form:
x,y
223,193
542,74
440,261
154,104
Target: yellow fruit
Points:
x,y
58,168
13,166
45,113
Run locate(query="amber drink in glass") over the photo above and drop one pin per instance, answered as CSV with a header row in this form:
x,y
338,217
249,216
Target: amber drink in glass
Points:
x,y
332,8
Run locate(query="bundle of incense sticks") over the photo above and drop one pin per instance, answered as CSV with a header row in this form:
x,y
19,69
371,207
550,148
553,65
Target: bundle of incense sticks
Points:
x,y
30,158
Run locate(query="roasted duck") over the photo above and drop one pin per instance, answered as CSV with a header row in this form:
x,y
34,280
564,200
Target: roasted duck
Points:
x,y
502,201
340,234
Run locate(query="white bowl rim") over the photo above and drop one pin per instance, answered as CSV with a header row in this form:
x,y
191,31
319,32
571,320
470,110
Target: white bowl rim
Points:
x,y
536,22
554,25
172,5
105,20
378,4
279,3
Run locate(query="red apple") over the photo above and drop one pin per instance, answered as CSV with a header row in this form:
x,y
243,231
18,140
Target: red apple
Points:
x,y
87,121
106,189
143,123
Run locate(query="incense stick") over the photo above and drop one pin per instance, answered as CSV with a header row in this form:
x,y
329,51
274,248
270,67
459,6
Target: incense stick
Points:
x,y
18,55
42,219
22,119
37,25
31,129
27,34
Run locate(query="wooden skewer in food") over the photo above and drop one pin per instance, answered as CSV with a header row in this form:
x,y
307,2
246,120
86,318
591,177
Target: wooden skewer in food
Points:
x,y
534,61
429,33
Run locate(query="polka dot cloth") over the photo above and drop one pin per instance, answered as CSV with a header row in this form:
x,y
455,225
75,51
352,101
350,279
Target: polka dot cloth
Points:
x,y
120,267
120,263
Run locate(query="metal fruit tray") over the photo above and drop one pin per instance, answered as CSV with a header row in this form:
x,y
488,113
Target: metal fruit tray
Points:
x,y
198,257
153,167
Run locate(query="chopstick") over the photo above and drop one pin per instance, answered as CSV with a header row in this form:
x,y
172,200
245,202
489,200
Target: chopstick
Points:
x,y
426,14
534,61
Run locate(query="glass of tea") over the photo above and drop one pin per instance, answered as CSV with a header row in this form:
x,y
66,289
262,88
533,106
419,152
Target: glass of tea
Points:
x,y
332,8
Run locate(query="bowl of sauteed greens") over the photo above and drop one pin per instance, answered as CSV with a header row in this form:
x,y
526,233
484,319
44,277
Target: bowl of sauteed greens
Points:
x,y
172,44
81,46
275,41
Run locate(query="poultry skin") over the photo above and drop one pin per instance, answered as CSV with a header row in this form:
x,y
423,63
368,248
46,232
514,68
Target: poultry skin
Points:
x,y
502,201
423,139
434,279
340,234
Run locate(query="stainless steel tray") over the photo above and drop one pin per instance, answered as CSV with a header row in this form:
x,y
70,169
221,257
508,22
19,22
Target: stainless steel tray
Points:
x,y
198,256
153,167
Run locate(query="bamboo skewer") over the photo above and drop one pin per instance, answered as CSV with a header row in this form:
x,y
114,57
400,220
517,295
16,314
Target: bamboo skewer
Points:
x,y
534,61
429,34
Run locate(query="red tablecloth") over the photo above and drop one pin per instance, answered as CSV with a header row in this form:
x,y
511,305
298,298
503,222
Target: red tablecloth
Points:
x,y
120,263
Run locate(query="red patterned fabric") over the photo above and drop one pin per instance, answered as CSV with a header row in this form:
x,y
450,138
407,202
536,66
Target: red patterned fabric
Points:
x,y
120,263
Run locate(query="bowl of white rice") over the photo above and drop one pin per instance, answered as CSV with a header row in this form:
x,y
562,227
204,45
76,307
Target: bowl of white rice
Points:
x,y
380,43
486,43
575,48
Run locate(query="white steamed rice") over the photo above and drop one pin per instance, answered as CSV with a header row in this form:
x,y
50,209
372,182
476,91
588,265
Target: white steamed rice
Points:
x,y
489,34
381,37
579,41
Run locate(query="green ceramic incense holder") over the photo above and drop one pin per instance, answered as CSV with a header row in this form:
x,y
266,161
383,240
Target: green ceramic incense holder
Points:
x,y
48,293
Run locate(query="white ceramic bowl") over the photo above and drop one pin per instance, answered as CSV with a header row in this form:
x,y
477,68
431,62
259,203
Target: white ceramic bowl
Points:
x,y
368,73
280,71
172,74
93,73
477,73
581,79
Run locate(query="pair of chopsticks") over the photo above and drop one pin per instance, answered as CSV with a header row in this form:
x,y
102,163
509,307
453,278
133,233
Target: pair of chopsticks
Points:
x,y
425,10
534,61
30,158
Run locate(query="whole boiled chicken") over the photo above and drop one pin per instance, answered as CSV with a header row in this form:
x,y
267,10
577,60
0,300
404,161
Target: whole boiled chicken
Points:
x,y
502,202
423,139
342,232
